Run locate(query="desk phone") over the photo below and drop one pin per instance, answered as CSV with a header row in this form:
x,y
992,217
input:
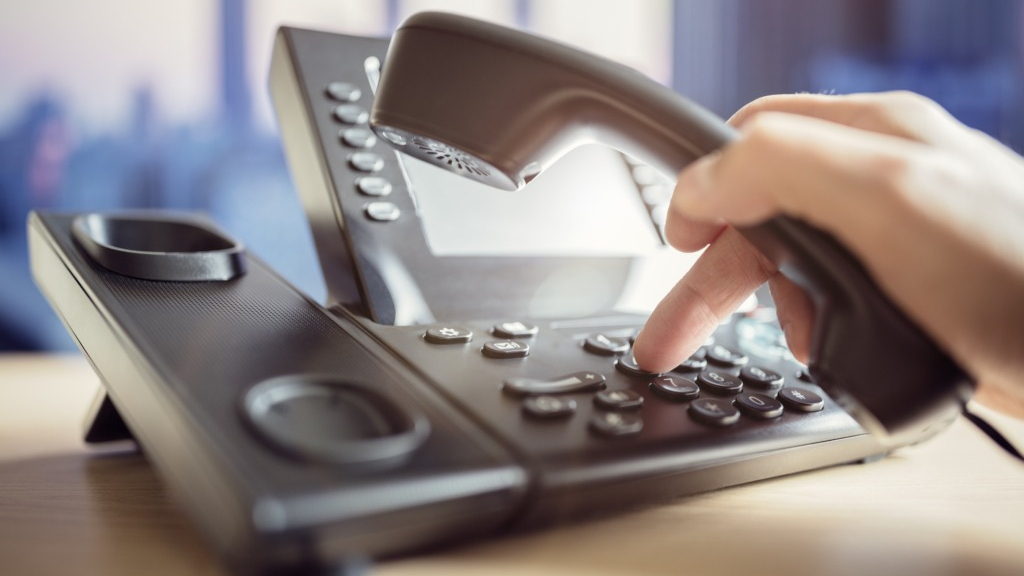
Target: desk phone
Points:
x,y
470,373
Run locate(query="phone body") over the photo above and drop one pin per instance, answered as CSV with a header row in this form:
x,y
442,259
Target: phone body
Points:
x,y
298,434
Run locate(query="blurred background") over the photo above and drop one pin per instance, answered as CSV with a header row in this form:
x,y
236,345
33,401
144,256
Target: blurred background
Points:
x,y
113,104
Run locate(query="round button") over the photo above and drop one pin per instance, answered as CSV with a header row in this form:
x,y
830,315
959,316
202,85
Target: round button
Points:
x,y
759,405
366,161
605,345
616,424
448,335
720,382
694,363
351,114
761,377
618,399
343,91
724,357
804,376
373,186
549,407
514,329
382,211
628,365
714,411
506,349
801,399
357,137
675,388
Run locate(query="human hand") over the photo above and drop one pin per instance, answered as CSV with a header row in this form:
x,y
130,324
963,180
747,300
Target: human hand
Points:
x,y
933,209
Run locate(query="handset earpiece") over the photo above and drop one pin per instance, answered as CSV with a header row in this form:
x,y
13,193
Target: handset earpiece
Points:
x,y
499,105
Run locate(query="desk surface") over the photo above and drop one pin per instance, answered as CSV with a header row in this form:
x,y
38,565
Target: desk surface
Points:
x,y
954,505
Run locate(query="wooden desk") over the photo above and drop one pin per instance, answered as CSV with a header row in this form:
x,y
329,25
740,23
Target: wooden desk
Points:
x,y
954,505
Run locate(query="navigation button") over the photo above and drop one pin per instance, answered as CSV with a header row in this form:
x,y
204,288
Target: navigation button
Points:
x,y
506,349
549,407
605,345
448,335
576,382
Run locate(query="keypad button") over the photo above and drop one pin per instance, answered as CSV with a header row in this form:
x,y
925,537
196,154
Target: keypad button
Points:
x,y
758,405
514,329
605,345
448,335
718,382
506,349
351,114
357,137
616,424
619,399
801,399
343,91
382,211
628,365
373,186
550,407
714,411
675,388
723,356
761,377
694,363
366,161
576,382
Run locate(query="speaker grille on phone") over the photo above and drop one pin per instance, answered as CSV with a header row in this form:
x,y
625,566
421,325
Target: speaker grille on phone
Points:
x,y
451,158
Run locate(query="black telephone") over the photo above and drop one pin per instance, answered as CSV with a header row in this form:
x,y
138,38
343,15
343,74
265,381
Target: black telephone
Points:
x,y
440,394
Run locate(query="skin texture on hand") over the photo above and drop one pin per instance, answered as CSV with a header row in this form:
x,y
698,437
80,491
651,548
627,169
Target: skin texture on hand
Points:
x,y
933,209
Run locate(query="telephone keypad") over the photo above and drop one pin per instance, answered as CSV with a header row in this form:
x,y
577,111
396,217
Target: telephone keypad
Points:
x,y
714,411
723,356
719,382
801,399
761,377
604,345
675,388
627,365
759,405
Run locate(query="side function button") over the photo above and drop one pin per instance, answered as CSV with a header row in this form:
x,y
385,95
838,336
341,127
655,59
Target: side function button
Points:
x,y
761,377
694,363
759,405
506,349
373,186
577,382
723,356
628,365
675,388
514,329
619,399
801,399
448,335
351,114
365,161
714,411
605,345
549,407
343,92
382,211
357,137
616,424
720,382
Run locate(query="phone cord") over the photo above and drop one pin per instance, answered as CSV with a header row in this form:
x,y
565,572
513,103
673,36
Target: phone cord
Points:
x,y
994,434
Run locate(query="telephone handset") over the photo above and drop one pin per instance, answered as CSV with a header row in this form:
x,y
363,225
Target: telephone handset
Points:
x,y
499,106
